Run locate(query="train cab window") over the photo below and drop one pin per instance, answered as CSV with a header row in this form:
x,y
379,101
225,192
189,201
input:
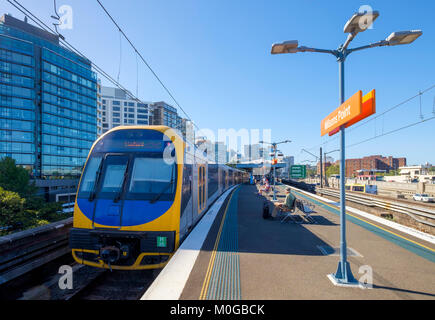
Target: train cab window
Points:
x,y
88,181
114,174
152,176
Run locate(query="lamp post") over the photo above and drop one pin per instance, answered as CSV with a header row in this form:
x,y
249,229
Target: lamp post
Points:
x,y
274,145
359,22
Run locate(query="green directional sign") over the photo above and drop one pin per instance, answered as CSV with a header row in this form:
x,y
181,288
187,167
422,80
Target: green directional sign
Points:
x,y
298,172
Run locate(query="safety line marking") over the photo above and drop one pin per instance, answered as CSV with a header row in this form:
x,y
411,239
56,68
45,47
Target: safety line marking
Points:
x,y
171,281
336,209
221,281
213,256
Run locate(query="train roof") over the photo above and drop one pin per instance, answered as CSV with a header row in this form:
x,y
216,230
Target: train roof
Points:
x,y
164,129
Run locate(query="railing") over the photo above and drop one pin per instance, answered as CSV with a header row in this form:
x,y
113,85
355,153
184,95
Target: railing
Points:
x,y
414,211
24,251
68,207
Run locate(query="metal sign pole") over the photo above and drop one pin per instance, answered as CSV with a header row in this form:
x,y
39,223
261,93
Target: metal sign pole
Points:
x,y
343,274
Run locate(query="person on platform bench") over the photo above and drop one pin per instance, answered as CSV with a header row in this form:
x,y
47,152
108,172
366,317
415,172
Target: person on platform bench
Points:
x,y
289,199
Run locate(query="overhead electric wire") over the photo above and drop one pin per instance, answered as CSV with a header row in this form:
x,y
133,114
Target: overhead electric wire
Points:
x,y
393,107
44,26
144,61
419,94
392,131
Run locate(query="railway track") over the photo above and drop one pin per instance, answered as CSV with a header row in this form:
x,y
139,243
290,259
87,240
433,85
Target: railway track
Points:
x,y
25,251
116,285
30,262
419,213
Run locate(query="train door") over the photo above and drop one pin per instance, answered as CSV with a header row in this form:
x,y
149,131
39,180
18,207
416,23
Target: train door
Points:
x,y
186,212
202,198
226,180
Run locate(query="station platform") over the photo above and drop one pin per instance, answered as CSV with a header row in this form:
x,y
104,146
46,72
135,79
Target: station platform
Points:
x,y
247,257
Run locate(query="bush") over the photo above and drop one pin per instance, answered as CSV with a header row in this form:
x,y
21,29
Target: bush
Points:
x,y
13,215
15,178
20,208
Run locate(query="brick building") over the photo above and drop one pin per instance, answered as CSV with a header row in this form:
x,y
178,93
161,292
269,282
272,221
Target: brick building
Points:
x,y
376,162
326,165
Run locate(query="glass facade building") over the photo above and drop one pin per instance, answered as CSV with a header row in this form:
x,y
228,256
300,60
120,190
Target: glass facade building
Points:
x,y
48,101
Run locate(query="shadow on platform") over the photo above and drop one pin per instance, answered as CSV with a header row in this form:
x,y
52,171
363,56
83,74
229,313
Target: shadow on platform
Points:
x,y
257,235
404,290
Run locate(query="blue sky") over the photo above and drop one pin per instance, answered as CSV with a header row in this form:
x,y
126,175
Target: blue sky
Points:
x,y
215,58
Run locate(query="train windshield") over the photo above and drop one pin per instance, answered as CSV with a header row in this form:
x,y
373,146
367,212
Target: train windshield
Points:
x,y
147,177
88,181
152,178
130,165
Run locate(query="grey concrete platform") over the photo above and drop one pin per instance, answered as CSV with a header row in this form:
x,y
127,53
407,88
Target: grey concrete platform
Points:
x,y
273,260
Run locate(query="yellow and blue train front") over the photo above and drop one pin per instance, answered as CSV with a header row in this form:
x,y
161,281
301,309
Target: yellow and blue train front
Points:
x,y
127,211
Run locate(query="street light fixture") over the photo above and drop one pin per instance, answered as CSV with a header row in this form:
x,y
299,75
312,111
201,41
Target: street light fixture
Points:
x,y
359,22
285,47
403,37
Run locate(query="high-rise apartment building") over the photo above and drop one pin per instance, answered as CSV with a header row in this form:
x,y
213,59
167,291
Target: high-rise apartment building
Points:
x,y
164,114
118,108
99,109
220,152
252,152
48,100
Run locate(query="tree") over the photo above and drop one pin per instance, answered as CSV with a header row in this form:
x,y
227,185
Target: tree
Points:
x,y
15,178
20,208
311,173
333,169
13,215
392,173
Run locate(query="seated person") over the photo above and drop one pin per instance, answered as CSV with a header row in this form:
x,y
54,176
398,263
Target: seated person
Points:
x,y
289,202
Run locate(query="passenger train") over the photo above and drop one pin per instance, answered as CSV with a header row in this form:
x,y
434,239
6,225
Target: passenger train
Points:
x,y
364,188
142,190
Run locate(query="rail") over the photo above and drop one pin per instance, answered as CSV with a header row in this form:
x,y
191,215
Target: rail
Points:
x,y
414,211
24,251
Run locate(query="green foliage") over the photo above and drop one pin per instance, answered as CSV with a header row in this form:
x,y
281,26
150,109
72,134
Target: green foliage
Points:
x,y
392,173
333,169
51,212
15,178
311,172
13,215
20,209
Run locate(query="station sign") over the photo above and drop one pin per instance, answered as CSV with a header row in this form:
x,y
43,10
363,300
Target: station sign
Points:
x,y
298,172
368,108
348,111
